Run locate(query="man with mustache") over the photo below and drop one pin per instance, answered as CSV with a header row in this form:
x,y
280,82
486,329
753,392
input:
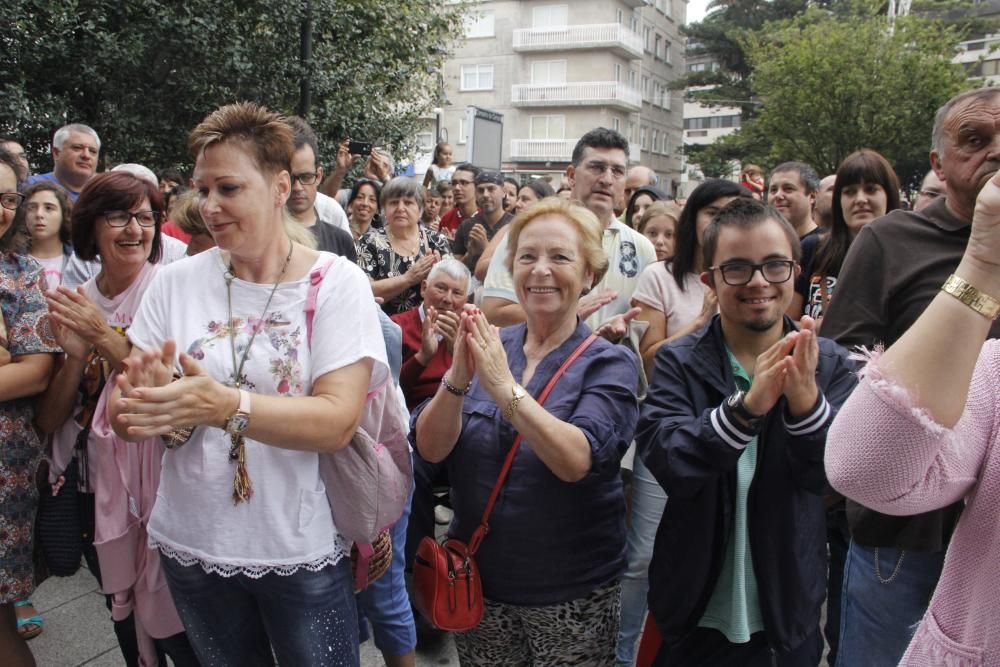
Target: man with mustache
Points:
x,y
75,148
893,270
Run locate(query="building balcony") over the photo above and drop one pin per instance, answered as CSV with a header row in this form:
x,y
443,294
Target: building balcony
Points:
x,y
552,150
584,93
542,150
614,36
632,4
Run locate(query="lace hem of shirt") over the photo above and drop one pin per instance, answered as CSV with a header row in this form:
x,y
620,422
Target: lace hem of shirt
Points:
x,y
253,570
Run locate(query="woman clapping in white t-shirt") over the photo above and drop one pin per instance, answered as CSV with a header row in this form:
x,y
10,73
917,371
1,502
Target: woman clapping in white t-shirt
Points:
x,y
248,542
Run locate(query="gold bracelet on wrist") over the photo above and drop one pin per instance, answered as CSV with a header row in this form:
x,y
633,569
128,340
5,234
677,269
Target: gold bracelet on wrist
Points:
x,y
978,301
517,393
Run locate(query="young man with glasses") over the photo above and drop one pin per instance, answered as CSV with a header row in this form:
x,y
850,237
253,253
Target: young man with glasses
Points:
x,y
734,428
302,202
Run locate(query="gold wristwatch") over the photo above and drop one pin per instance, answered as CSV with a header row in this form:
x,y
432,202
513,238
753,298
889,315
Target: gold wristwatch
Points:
x,y
978,301
517,393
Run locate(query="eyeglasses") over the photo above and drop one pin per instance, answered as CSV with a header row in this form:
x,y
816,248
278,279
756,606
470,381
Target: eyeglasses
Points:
x,y
11,200
306,177
738,274
461,182
122,218
597,168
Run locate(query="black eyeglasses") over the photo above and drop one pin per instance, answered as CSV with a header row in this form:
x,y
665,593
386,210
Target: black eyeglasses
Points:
x,y
122,218
461,182
738,274
11,200
306,177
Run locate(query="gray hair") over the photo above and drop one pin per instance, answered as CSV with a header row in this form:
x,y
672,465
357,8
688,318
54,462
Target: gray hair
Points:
x,y
454,269
139,171
62,134
808,175
403,186
937,134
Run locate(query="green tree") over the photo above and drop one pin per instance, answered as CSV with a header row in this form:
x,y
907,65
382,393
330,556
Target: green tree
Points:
x,y
144,72
722,35
830,86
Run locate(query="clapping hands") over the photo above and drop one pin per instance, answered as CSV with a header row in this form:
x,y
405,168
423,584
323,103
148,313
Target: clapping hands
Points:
x,y
787,368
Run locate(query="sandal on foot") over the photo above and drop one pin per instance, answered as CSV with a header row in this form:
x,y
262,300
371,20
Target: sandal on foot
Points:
x,y
31,626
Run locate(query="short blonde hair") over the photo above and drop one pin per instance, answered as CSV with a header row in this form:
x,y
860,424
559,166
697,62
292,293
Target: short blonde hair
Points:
x,y
589,228
185,214
265,136
659,209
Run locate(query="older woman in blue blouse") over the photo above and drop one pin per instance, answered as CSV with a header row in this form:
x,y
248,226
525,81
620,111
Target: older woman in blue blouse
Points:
x,y
555,551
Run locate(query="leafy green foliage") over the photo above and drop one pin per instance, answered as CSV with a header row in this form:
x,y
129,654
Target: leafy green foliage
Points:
x,y
144,72
830,86
722,34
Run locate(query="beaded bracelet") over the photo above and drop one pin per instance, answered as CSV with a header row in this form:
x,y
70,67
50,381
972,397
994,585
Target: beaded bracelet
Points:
x,y
452,389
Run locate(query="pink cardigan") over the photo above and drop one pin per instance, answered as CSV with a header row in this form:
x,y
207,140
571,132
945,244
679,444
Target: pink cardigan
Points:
x,y
128,474
892,457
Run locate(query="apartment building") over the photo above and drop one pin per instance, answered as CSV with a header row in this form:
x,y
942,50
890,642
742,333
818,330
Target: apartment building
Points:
x,y
705,124
558,69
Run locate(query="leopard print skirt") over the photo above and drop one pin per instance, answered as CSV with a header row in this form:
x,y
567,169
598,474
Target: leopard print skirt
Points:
x,y
578,633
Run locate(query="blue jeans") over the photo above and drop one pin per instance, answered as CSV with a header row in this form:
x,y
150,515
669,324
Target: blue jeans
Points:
x,y
878,619
648,501
386,604
307,618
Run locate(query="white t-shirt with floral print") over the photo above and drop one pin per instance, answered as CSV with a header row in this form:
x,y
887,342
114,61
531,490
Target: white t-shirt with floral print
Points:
x,y
287,523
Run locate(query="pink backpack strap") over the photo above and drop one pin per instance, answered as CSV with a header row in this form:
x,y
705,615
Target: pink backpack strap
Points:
x,y
315,280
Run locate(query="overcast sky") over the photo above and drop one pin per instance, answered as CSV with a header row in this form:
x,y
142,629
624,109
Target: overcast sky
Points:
x,y
696,10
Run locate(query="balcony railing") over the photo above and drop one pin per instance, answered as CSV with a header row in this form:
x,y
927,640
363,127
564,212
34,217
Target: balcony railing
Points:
x,y
552,150
584,93
614,36
542,150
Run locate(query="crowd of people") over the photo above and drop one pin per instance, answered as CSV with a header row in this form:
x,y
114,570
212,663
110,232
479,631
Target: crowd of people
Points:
x,y
766,399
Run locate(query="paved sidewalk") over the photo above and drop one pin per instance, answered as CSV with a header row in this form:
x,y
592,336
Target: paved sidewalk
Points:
x,y
78,629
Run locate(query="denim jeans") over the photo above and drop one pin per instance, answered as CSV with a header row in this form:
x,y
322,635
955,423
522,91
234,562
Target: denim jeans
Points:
x,y
878,617
648,501
386,604
307,618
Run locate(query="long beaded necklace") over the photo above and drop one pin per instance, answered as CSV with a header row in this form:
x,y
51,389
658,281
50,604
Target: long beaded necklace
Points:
x,y
242,486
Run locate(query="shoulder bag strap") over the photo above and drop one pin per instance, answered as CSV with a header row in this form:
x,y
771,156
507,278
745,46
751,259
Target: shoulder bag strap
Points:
x,y
315,280
480,532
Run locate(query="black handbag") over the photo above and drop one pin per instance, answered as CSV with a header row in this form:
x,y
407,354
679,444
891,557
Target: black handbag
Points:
x,y
58,524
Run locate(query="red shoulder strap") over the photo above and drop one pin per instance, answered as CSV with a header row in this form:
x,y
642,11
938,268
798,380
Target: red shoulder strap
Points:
x,y
315,280
484,527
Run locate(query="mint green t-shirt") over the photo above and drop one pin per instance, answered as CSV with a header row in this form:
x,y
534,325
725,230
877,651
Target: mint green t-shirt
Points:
x,y
734,608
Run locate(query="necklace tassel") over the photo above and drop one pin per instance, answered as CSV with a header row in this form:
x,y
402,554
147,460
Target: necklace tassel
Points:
x,y
242,486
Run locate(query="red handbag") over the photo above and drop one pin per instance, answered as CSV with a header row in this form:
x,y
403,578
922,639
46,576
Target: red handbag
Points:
x,y
447,588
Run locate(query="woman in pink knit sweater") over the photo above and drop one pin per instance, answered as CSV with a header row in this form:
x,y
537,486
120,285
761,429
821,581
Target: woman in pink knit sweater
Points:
x,y
921,432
